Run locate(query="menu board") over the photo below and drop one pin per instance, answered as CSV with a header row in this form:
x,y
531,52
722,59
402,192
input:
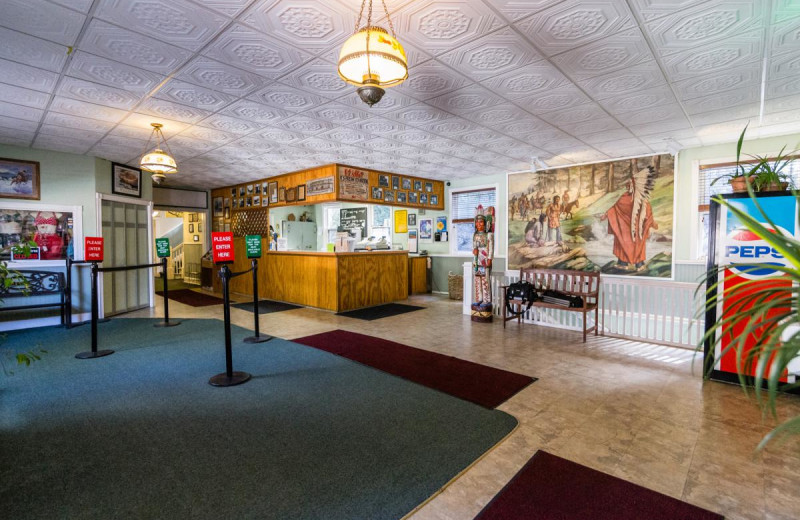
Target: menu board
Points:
x,y
350,218
353,184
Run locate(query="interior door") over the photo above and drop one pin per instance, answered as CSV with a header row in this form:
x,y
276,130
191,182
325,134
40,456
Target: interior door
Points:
x,y
125,230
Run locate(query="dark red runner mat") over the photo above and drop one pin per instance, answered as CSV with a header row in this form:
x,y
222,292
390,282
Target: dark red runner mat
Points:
x,y
192,298
470,381
552,488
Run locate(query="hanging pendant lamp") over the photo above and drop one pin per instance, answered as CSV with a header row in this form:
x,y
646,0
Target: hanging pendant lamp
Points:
x,y
372,59
158,162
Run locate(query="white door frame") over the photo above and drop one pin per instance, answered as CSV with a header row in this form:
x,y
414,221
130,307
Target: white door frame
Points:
x,y
99,198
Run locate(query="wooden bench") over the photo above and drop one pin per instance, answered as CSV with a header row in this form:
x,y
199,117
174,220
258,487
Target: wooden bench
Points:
x,y
41,283
585,284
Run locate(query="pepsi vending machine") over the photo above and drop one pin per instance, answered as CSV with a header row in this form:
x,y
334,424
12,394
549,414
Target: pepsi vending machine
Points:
x,y
732,244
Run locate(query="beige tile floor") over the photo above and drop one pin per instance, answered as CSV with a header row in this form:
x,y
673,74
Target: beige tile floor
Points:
x,y
634,410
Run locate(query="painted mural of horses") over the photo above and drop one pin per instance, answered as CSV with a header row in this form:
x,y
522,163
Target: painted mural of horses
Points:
x,y
567,208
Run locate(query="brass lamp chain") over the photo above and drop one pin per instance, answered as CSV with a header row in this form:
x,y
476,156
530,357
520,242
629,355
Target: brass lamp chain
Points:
x,y
360,15
388,19
166,144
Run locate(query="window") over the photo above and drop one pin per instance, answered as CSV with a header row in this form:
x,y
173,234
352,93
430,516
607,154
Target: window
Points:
x,y
708,174
462,216
331,221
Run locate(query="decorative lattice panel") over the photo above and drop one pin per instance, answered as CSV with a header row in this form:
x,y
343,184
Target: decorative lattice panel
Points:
x,y
250,223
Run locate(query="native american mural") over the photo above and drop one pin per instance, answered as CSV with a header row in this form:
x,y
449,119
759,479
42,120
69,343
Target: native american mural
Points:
x,y
613,216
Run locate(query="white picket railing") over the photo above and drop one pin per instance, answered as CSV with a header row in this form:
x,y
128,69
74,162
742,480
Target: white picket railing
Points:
x,y
177,261
654,311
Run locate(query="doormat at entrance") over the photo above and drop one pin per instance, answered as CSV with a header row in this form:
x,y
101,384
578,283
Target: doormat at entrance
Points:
x,y
380,311
550,487
479,384
192,298
266,306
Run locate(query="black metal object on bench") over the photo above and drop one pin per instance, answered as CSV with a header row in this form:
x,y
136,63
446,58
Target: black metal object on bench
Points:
x,y
41,283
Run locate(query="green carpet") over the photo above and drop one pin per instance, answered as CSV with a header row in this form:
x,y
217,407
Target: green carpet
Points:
x,y
174,284
140,434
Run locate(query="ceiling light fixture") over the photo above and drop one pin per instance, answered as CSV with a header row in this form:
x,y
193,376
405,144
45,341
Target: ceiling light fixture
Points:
x,y
372,59
158,162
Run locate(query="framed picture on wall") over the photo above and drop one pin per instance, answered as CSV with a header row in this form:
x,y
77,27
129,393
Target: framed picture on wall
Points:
x,y
377,193
258,189
241,191
250,188
281,194
434,200
196,238
191,228
423,198
291,194
199,227
301,192
388,196
412,241
425,230
417,185
265,200
383,181
256,200
273,192
406,183
124,180
429,187
217,206
193,217
412,219
395,182
401,197
413,197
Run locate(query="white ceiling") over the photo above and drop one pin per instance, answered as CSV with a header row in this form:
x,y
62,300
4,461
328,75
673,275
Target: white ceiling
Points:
x,y
248,88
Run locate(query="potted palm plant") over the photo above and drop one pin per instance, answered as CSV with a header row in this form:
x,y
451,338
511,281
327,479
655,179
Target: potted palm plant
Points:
x,y
769,174
743,174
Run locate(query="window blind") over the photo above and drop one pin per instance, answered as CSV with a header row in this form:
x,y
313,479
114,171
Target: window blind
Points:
x,y
714,171
464,203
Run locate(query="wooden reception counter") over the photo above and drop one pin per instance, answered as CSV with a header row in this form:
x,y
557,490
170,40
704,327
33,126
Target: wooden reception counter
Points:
x,y
333,281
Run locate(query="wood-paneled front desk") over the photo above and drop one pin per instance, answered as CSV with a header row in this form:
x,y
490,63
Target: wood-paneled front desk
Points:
x,y
333,281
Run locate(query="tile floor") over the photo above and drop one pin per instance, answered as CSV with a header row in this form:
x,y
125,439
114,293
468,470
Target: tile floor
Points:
x,y
637,411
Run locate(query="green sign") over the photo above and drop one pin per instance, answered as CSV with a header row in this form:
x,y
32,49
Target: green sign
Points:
x,y
162,247
253,246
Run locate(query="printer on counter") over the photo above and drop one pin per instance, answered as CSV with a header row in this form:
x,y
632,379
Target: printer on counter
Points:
x,y
372,243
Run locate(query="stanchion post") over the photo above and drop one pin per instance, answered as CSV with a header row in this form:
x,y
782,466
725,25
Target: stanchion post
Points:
x,y
258,338
68,295
94,353
229,378
166,322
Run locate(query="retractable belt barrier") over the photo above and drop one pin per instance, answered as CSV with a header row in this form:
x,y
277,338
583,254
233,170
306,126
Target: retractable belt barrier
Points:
x,y
94,353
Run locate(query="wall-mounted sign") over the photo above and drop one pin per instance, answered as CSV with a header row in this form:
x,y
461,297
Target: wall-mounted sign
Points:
x,y
353,184
162,247
319,186
353,218
253,246
93,249
222,246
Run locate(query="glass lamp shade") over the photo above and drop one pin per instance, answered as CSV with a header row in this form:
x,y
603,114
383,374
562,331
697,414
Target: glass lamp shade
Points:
x,y
372,56
158,162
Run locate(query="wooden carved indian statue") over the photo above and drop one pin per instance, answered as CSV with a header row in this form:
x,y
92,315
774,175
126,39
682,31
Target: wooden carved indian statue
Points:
x,y
482,254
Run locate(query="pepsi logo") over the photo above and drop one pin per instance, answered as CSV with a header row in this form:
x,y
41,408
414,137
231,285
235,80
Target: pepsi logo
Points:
x,y
750,256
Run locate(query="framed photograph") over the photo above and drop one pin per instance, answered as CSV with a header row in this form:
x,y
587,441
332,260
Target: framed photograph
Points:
x,y
412,219
281,194
395,182
429,187
258,189
241,191
124,180
413,197
383,181
425,229
227,202
196,238
401,197
377,193
417,185
199,227
250,188
249,202
423,198
233,191
301,192
388,196
291,194
193,217
264,200
191,228
241,203
405,183
217,206
434,200
256,200
273,192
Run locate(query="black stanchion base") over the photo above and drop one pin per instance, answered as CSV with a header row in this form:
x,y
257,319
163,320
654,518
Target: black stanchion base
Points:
x,y
92,355
223,380
257,339
166,324
87,322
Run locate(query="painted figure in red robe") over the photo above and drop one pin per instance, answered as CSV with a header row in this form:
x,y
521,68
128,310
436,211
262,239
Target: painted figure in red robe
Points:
x,y
49,242
630,220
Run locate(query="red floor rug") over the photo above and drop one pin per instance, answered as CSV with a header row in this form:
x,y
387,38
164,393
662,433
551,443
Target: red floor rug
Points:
x,y
552,488
192,298
470,381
